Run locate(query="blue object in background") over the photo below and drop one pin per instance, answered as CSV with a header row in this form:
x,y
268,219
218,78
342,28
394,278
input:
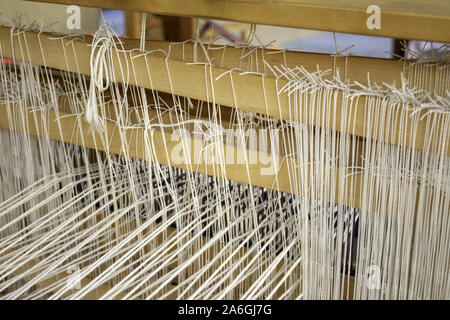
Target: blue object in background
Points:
x,y
115,19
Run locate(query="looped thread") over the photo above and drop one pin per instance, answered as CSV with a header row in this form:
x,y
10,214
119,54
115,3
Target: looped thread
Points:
x,y
101,73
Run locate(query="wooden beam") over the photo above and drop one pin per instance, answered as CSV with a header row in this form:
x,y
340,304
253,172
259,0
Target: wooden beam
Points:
x,y
351,68
288,177
414,19
230,88
133,24
177,29
70,129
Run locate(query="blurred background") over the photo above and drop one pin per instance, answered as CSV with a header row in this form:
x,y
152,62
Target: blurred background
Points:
x,y
222,32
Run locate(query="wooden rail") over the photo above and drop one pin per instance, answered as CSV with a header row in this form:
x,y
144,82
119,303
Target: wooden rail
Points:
x,y
413,19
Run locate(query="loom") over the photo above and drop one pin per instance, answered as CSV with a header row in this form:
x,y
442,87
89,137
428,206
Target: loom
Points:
x,y
136,169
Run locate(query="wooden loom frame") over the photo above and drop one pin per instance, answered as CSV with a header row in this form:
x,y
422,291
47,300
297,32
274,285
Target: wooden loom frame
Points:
x,y
247,86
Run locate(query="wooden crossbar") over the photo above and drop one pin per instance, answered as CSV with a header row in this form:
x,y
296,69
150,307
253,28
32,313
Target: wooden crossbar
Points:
x,y
416,19
131,143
